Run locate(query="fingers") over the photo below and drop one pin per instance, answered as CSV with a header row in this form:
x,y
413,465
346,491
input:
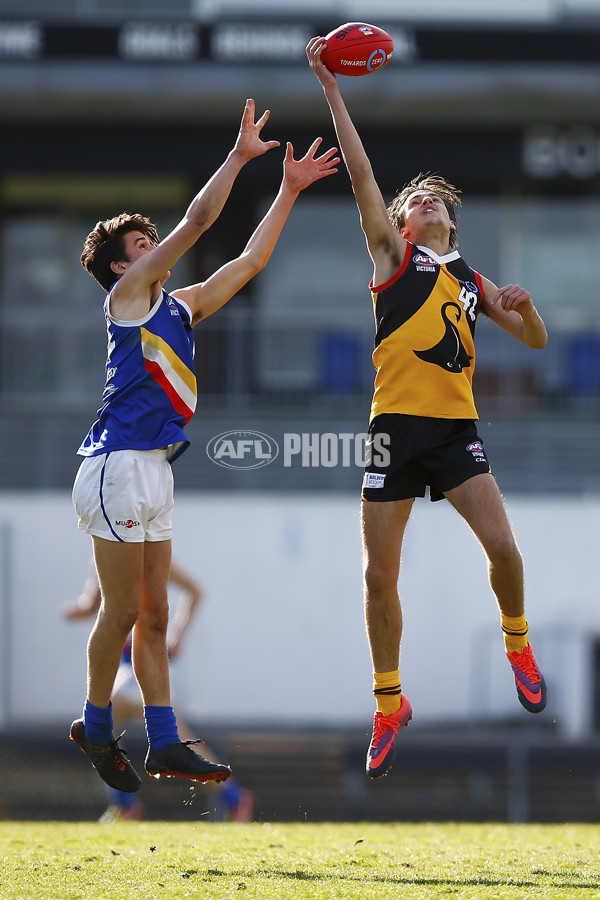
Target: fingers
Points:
x,y
310,153
263,119
315,47
511,296
326,166
303,172
313,147
326,157
268,145
327,170
249,141
248,114
326,160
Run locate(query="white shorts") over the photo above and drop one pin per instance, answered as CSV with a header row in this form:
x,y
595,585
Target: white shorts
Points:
x,y
125,495
126,685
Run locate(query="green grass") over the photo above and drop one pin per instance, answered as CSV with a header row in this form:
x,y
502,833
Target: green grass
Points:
x,y
61,861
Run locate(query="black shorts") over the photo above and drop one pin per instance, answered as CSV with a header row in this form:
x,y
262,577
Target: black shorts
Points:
x,y
405,454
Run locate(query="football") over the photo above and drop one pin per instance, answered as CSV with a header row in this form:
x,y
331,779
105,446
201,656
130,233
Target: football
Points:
x,y
357,49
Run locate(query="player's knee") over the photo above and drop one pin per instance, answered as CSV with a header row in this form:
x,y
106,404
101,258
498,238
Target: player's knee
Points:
x,y
503,550
379,579
155,620
123,620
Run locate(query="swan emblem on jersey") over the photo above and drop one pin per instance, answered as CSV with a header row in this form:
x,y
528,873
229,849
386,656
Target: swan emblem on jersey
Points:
x,y
449,353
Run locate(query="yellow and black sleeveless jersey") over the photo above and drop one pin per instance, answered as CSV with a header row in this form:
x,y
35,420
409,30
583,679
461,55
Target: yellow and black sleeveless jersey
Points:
x,y
424,353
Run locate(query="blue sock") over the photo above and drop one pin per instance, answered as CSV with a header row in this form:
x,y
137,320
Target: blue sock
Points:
x,y
121,799
229,793
161,726
98,723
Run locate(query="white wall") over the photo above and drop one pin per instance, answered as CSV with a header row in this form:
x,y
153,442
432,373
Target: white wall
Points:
x,y
281,638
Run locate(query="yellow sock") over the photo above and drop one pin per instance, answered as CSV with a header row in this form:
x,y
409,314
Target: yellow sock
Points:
x,y
515,632
387,690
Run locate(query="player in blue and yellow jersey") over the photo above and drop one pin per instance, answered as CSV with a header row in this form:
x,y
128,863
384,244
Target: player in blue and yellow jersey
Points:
x,y
123,492
422,430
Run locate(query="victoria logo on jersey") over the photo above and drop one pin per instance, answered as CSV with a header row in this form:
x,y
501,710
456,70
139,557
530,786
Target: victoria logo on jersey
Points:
x,y
172,306
424,263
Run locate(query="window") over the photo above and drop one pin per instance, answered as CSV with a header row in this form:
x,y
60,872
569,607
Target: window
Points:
x,y
52,332
314,302
551,247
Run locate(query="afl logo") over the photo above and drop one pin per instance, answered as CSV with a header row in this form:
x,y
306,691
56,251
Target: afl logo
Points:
x,y
242,449
423,260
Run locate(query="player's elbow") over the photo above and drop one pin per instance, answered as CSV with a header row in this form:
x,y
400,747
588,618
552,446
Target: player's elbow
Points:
x,y
201,217
254,262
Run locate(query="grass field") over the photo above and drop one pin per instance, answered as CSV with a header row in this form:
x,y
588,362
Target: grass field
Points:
x,y
60,861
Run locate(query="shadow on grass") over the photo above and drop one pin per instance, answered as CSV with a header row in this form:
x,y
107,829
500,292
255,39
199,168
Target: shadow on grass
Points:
x,y
300,875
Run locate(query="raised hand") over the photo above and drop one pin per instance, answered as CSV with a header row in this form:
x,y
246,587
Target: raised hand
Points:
x,y
249,143
314,48
300,173
512,296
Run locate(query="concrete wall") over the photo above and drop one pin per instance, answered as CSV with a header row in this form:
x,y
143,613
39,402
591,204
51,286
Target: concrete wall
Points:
x,y
280,637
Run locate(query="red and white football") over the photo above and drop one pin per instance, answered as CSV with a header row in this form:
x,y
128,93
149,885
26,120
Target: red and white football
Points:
x,y
357,49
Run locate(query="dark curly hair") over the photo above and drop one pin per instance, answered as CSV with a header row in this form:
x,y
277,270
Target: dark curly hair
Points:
x,y
425,181
105,245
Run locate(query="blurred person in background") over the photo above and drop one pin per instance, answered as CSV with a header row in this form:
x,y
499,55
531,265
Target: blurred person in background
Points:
x,y
236,802
422,431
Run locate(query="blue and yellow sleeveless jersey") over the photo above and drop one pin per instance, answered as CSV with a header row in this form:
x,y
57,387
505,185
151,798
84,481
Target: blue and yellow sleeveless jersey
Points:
x,y
150,391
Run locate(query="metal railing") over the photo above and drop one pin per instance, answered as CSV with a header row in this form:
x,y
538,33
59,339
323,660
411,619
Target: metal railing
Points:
x,y
283,373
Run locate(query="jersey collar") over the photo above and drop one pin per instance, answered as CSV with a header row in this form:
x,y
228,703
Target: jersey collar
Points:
x,y
440,260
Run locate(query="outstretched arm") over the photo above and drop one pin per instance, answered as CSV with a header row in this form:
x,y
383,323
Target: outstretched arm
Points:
x,y
139,285
88,602
386,246
191,595
512,308
204,299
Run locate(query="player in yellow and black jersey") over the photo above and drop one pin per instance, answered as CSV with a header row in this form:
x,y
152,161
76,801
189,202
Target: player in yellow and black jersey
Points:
x,y
426,300
424,348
